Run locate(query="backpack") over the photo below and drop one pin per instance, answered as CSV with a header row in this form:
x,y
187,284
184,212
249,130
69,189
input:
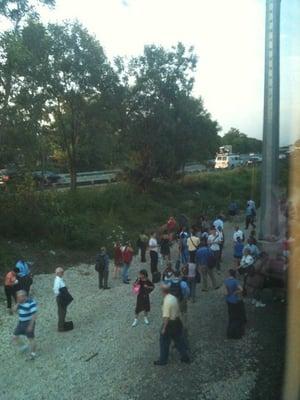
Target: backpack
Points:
x,y
100,263
175,290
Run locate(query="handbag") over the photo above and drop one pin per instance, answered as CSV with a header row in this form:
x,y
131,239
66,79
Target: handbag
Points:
x,y
136,288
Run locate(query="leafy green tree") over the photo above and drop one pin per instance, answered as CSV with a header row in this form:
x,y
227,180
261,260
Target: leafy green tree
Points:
x,y
23,109
80,77
164,122
17,10
241,143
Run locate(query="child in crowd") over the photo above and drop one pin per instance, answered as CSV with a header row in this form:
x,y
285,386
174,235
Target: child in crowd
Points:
x,y
143,298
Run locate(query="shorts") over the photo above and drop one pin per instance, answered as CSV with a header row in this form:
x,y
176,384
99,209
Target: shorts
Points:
x,y
21,329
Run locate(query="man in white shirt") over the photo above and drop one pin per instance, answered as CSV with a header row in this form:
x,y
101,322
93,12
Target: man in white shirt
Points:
x,y
153,248
214,241
172,328
61,308
238,233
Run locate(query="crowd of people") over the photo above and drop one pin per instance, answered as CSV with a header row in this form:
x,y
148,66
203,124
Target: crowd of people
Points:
x,y
198,251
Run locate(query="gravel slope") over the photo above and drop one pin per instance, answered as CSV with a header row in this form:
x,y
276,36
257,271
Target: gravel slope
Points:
x,y
123,368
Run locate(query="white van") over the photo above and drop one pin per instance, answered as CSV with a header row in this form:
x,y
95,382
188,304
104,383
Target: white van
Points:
x,y
228,161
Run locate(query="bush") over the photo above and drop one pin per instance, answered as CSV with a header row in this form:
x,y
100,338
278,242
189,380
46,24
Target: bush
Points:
x,y
90,218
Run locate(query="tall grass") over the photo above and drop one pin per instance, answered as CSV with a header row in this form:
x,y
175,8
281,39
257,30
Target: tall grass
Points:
x,y
92,217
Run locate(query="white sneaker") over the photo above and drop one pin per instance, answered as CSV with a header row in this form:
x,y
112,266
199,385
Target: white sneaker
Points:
x,y
135,322
259,304
146,321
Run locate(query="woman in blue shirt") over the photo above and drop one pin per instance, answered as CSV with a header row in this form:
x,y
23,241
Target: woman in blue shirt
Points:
x,y
236,307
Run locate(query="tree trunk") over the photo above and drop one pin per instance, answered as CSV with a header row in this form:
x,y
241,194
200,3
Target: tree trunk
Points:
x,y
73,175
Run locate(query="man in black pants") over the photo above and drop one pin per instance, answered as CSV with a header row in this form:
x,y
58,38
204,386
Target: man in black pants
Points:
x,y
172,329
153,247
102,267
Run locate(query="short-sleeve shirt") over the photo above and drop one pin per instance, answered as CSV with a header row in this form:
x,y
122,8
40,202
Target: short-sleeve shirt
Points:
x,y
232,285
193,243
170,308
214,242
27,310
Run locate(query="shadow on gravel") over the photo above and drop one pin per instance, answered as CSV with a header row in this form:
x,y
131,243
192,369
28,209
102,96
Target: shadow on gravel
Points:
x,y
271,328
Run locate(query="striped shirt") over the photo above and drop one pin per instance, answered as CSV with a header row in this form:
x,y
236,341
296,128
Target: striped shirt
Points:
x,y
27,310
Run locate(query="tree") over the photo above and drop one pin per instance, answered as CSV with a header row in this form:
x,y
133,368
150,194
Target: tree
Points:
x,y
23,98
80,77
164,121
241,143
17,10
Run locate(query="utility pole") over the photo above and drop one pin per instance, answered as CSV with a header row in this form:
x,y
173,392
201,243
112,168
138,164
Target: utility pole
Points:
x,y
269,221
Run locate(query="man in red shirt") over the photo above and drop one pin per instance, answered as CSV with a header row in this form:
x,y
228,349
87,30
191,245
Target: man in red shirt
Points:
x,y
10,287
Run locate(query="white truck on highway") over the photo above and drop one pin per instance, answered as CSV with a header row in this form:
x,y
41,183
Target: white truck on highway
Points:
x,y
225,159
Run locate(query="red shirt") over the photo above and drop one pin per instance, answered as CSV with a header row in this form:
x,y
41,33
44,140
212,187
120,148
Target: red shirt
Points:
x,y
118,255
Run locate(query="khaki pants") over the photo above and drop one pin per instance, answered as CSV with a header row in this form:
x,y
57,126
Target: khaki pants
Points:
x,y
205,271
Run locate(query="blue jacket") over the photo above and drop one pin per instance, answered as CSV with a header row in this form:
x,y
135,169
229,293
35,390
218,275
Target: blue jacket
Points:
x,y
102,260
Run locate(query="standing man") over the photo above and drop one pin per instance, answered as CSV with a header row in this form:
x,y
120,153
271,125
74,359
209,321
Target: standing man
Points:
x,y
143,243
172,328
214,241
205,261
153,247
27,310
63,299
102,267
250,216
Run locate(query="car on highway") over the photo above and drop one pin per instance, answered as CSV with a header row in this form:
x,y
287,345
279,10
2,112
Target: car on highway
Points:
x,y
46,178
254,160
228,161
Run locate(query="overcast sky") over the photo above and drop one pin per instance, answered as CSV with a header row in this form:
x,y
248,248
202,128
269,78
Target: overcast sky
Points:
x,y
228,36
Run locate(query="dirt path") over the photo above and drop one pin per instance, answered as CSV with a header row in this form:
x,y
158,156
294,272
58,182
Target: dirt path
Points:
x,y
123,365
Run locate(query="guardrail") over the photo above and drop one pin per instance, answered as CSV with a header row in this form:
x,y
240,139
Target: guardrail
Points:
x,y
91,177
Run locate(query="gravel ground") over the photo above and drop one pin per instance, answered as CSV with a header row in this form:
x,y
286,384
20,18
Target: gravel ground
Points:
x,y
123,367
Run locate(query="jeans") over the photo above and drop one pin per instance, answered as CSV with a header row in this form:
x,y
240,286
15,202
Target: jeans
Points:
x,y
184,256
192,286
103,278
125,272
174,332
